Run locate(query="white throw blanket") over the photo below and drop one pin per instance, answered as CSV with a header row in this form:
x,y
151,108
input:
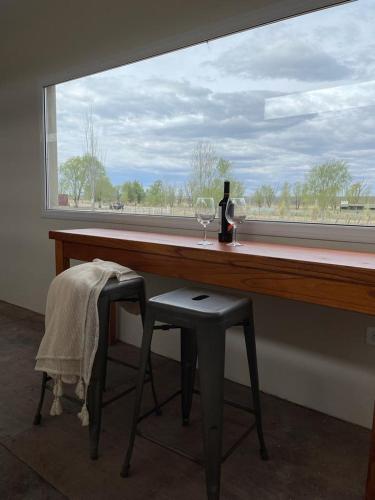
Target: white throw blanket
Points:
x,y
70,341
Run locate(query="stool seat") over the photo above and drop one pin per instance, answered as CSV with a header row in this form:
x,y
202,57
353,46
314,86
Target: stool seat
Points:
x,y
190,304
116,290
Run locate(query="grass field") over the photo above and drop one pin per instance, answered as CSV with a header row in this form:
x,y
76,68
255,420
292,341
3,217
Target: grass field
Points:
x,y
365,217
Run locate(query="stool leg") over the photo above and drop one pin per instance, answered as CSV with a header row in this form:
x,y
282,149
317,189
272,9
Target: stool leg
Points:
x,y
145,354
188,364
113,326
142,305
151,375
38,415
253,369
98,376
211,355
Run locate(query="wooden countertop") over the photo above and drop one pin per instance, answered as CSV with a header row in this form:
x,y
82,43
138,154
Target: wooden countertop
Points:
x,y
336,278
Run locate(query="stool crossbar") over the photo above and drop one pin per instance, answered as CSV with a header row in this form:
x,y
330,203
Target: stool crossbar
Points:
x,y
190,457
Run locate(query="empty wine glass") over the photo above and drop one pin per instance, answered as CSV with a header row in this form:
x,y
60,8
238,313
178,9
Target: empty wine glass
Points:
x,y
205,213
235,213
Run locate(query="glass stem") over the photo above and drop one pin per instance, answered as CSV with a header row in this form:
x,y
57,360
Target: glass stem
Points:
x,y
205,233
234,235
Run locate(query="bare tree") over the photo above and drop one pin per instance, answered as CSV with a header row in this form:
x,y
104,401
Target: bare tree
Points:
x,y
208,173
94,154
258,198
269,194
357,192
203,171
285,196
298,193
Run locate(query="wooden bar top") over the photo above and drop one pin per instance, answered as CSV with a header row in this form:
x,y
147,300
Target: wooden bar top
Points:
x,y
360,260
337,278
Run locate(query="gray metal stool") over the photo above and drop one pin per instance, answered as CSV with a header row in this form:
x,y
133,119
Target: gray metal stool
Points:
x,y
203,317
133,291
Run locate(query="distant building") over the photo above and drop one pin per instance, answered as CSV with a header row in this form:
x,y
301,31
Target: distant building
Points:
x,y
63,200
345,205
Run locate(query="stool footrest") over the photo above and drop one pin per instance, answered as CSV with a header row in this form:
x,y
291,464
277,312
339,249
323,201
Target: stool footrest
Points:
x,y
108,401
183,453
150,412
229,402
178,451
123,393
193,458
124,363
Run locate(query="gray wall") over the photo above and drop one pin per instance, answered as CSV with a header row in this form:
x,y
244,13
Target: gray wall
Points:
x,y
308,354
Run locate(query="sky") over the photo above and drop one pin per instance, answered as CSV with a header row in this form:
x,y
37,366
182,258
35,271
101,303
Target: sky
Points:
x,y
274,101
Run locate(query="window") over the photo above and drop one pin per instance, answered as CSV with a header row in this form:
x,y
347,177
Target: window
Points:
x,y
286,112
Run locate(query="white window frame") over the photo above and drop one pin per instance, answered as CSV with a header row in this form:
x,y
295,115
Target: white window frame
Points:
x,y
251,228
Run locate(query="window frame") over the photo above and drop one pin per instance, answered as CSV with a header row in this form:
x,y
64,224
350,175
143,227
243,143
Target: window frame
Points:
x,y
251,228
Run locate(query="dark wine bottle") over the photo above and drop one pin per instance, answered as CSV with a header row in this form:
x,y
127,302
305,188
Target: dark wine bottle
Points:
x,y
226,229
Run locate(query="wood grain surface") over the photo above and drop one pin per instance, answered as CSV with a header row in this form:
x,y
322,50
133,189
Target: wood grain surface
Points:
x,y
335,278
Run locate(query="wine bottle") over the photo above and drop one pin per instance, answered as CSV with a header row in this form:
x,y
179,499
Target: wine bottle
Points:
x,y
226,229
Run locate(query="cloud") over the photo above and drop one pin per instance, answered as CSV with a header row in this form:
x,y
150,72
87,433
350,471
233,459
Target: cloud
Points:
x,y
321,101
150,120
157,140
285,58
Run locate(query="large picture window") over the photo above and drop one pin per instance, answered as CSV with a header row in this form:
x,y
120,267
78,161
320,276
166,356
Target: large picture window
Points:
x,y
286,112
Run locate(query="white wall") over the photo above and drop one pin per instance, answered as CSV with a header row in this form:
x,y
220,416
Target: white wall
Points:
x,y
312,355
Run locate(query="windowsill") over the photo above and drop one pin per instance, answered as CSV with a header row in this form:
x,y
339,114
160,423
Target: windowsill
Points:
x,y
302,233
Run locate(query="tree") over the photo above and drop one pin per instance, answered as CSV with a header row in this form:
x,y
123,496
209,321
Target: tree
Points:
x,y
203,165
133,192
104,190
170,194
357,191
155,194
258,198
180,195
127,195
73,178
93,155
269,194
139,192
94,191
162,194
208,173
299,194
224,172
327,182
118,193
285,196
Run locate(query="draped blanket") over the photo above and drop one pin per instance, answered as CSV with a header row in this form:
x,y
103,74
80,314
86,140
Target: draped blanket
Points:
x,y
70,341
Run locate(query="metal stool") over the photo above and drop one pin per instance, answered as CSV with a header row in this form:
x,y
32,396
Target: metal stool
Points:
x,y
203,317
133,291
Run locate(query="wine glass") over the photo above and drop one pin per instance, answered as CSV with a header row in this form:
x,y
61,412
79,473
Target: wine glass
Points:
x,y
205,213
236,215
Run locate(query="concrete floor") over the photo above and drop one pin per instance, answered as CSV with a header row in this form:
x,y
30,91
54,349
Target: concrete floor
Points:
x,y
312,456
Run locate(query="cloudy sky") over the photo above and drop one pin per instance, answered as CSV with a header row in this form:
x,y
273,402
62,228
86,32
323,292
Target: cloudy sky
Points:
x,y
274,101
